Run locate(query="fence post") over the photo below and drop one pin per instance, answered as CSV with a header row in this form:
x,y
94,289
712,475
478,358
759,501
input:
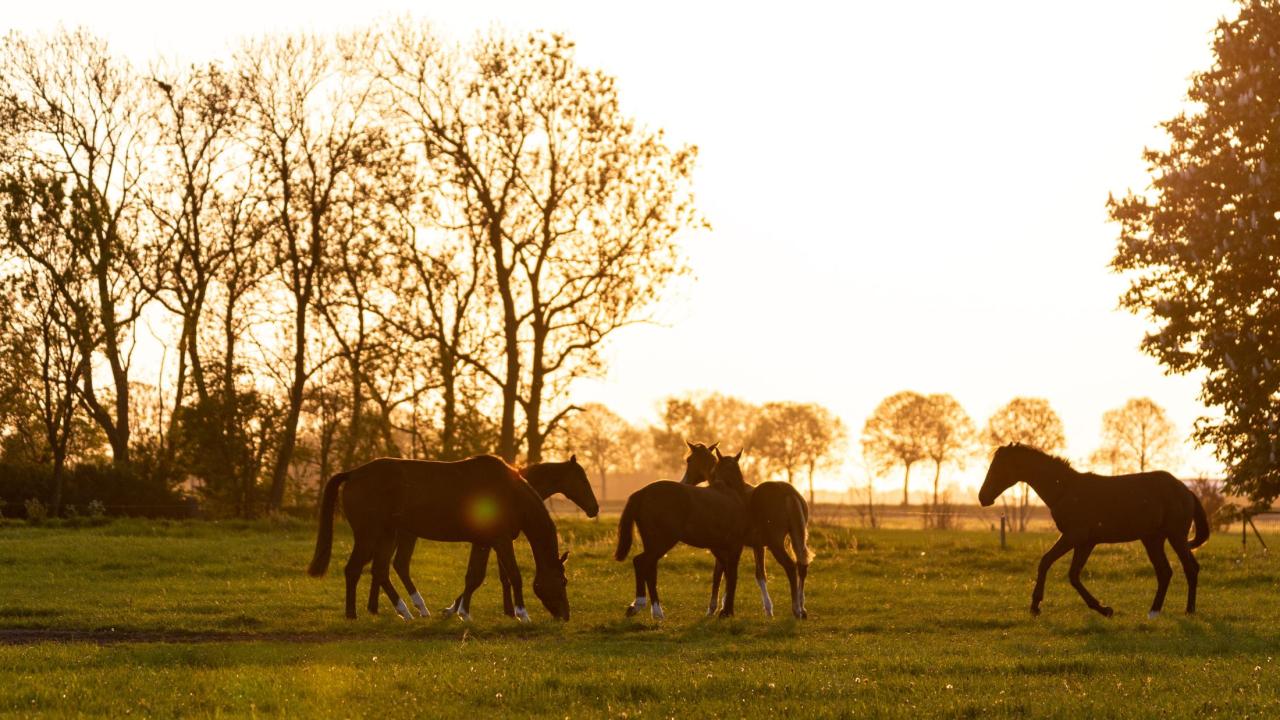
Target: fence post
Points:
x,y
1002,524
1244,531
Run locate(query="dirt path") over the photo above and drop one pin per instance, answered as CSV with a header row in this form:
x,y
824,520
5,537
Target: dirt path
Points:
x,y
111,637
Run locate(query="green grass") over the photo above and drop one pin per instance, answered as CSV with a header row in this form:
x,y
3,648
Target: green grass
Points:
x,y
903,624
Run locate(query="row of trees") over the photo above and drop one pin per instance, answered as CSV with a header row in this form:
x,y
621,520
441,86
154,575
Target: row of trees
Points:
x,y
787,441
337,246
909,428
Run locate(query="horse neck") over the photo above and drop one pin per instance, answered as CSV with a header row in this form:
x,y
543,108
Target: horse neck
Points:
x,y
544,483
1049,479
537,526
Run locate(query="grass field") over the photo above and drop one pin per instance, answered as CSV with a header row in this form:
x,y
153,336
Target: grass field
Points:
x,y
218,619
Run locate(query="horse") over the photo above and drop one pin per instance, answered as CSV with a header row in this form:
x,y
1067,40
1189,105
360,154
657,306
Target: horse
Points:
x,y
547,479
1153,507
481,500
667,512
775,511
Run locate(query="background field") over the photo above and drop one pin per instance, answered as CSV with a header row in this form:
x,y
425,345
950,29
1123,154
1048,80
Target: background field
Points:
x,y
204,619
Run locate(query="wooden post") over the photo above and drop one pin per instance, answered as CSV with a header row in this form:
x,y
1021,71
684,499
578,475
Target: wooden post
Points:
x,y
1002,524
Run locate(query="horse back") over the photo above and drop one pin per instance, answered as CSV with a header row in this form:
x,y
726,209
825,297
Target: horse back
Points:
x,y
1123,508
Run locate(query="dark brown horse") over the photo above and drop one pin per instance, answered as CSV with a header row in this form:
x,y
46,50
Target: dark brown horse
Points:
x,y
1154,507
481,500
667,513
547,479
775,512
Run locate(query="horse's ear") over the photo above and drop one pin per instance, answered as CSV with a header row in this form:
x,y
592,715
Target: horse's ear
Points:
x,y
715,444
716,450
686,442
573,458
739,455
564,557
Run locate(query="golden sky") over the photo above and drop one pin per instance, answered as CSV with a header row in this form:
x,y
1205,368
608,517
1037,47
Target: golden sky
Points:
x,y
904,195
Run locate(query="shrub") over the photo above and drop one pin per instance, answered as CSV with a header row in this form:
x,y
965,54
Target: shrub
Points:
x,y
36,511
97,509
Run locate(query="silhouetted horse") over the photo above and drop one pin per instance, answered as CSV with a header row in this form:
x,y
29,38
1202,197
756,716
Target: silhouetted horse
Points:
x,y
775,511
547,479
1091,509
481,500
666,513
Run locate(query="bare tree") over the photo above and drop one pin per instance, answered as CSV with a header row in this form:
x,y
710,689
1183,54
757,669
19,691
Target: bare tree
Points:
x,y
600,437
895,434
79,116
1136,437
1029,421
311,133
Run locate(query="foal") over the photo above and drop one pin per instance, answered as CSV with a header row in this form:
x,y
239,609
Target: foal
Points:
x,y
775,512
1089,509
713,518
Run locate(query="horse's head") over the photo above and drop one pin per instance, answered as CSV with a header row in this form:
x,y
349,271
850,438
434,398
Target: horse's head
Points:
x,y
577,487
699,463
728,472
551,586
1000,476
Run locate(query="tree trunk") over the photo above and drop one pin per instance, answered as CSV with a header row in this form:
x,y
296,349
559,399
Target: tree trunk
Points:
x,y
906,484
289,437
937,473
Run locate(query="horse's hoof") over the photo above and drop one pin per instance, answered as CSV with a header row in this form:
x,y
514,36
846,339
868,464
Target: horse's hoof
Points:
x,y
521,615
1106,611
632,610
768,612
726,614
656,610
1152,615
351,616
711,612
1035,611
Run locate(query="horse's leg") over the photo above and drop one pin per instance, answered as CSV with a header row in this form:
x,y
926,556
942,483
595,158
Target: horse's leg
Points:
x,y
639,564
652,556
731,558
762,580
1078,559
382,577
1059,549
789,567
716,574
361,553
1155,551
1190,567
507,561
404,556
477,564
508,607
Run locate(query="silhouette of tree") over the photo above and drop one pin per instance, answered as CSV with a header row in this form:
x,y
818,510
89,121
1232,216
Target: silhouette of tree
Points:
x,y
1029,421
1198,248
949,437
706,418
603,442
78,123
790,437
895,434
1136,437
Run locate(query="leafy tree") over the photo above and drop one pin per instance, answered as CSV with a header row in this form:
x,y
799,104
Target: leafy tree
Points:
x,y
1136,437
790,437
1200,247
949,435
1029,421
603,441
895,433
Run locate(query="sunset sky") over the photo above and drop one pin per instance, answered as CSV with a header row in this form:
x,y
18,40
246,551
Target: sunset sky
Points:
x,y
903,195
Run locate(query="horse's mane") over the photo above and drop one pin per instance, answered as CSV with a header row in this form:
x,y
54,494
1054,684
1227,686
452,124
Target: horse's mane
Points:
x,y
1040,454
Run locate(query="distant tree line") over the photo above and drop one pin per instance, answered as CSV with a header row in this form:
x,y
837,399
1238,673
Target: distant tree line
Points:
x,y
345,246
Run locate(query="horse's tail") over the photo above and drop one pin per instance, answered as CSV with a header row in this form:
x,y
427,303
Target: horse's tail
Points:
x,y
1202,525
324,537
626,524
798,528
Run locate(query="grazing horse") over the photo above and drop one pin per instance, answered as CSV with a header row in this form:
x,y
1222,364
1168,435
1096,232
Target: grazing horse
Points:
x,y
480,500
775,512
1089,509
547,479
666,512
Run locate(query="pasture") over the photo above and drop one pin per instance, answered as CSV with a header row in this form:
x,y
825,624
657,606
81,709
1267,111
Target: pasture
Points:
x,y
167,619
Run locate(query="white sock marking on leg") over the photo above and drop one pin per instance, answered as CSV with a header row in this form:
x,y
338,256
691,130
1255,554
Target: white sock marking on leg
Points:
x,y
640,603
418,603
657,611
522,615
764,596
403,610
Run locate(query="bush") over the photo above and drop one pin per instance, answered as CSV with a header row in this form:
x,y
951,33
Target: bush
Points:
x,y
126,491
36,511
97,509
